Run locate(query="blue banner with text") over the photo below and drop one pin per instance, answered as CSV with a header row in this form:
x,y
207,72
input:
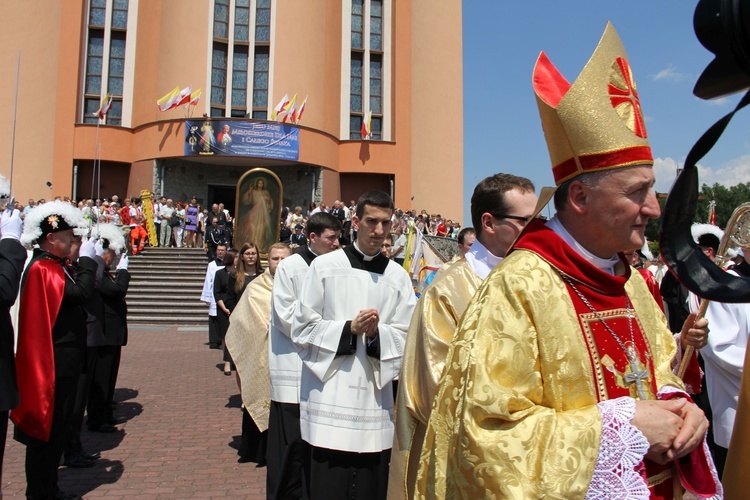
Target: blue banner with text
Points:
x,y
241,138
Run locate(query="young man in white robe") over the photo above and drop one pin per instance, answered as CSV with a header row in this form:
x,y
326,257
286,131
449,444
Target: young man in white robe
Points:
x,y
724,355
350,324
284,455
207,296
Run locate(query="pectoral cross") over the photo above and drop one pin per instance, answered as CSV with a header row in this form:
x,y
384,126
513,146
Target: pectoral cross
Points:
x,y
634,374
359,387
637,375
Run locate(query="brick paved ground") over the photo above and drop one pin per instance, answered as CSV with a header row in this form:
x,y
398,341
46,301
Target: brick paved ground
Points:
x,y
182,431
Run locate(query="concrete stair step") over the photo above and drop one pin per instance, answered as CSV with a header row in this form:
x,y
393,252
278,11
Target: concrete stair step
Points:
x,y
173,294
171,303
150,283
162,277
165,287
170,309
136,319
193,263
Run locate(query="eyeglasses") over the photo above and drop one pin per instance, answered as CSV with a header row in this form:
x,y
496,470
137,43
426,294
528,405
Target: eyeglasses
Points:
x,y
525,220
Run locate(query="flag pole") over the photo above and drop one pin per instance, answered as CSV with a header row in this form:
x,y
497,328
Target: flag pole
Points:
x,y
13,129
96,155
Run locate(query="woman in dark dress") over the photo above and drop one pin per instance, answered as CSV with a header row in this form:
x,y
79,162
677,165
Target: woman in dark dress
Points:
x,y
221,295
253,444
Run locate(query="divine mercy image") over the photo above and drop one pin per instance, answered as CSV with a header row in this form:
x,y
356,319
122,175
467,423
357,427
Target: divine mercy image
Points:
x,y
258,195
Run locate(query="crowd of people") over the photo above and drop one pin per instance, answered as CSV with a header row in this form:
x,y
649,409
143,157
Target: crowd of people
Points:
x,y
72,325
542,363
294,220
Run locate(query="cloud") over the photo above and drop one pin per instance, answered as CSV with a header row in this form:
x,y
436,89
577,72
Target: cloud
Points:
x,y
669,73
734,172
721,101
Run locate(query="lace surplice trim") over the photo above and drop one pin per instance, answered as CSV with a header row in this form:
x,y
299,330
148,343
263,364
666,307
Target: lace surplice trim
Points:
x,y
621,452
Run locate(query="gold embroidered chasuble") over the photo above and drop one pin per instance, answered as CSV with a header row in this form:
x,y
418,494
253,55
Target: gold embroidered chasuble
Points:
x,y
515,415
431,329
247,341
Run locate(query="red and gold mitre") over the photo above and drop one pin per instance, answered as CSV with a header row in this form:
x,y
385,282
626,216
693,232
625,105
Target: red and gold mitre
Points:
x,y
596,123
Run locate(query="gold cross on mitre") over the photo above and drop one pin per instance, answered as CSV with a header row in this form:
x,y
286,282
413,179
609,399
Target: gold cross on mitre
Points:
x,y
635,374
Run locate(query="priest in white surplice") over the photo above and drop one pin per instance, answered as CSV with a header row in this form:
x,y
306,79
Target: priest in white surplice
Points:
x,y
351,320
284,453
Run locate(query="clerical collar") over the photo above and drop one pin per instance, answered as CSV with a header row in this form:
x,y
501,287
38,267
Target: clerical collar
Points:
x,y
367,258
606,265
311,251
481,260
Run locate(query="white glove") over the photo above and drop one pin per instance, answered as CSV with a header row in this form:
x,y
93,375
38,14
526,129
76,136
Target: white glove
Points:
x,y
11,224
99,248
88,248
123,264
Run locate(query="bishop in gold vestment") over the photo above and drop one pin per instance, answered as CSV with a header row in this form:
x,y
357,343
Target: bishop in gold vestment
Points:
x,y
532,374
435,320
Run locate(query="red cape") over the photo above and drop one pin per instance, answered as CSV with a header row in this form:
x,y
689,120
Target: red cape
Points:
x,y
41,298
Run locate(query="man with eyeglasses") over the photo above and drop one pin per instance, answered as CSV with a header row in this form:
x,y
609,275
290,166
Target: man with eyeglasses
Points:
x,y
387,245
500,207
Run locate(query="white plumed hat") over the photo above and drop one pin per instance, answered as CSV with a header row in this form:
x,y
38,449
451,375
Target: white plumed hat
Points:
x,y
51,217
112,236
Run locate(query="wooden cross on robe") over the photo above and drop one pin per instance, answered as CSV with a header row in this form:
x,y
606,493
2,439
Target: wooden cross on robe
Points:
x,y
359,387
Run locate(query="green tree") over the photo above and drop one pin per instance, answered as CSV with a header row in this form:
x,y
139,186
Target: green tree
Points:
x,y
727,199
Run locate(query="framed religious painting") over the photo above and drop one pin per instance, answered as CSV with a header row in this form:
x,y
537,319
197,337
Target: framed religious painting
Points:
x,y
259,197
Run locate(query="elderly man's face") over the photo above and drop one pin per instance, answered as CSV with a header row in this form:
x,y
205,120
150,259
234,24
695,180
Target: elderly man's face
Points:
x,y
620,208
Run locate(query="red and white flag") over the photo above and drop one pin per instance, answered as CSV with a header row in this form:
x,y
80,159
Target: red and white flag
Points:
x,y
280,106
195,97
712,212
184,97
300,111
105,107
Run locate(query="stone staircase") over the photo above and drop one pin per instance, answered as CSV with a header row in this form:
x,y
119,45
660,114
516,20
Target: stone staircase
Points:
x,y
165,287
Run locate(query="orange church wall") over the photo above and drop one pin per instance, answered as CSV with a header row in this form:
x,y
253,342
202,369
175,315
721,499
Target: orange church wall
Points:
x,y
437,108
141,177
311,68
170,27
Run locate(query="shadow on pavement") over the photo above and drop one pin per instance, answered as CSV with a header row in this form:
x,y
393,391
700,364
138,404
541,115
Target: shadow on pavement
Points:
x,y
84,481
124,394
235,442
234,401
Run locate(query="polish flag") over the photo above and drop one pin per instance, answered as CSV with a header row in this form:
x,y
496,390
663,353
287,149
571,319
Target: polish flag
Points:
x,y
184,97
280,106
195,97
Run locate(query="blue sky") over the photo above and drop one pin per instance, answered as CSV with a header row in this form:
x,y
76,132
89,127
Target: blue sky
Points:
x,y
502,131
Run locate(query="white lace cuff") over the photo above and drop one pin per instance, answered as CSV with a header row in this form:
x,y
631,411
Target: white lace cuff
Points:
x,y
621,450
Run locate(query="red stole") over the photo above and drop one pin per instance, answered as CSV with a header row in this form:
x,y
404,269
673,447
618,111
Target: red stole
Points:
x,y
609,362
41,298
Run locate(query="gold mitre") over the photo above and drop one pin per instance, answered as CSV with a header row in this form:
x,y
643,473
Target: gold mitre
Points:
x,y
596,123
